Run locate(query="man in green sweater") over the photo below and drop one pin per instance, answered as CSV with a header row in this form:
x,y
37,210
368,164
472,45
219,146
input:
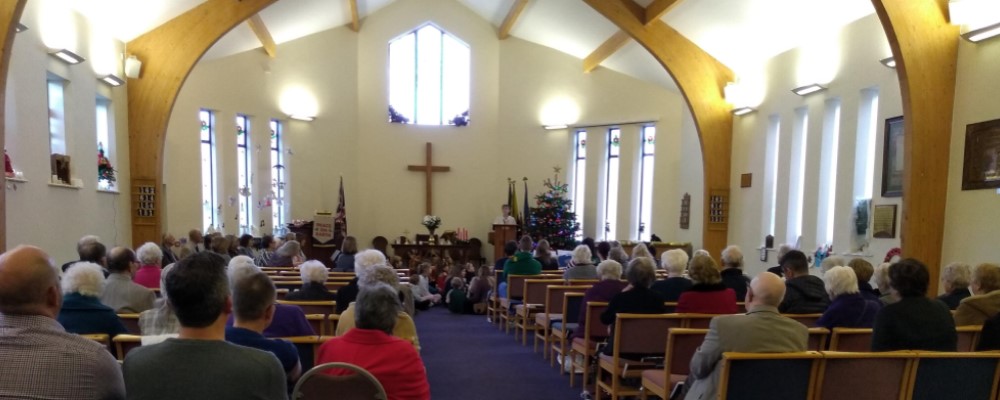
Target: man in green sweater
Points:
x,y
521,263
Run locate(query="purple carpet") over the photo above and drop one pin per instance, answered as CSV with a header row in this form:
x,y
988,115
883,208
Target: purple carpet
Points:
x,y
468,358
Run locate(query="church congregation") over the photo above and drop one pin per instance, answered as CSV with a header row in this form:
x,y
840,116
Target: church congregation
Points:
x,y
305,199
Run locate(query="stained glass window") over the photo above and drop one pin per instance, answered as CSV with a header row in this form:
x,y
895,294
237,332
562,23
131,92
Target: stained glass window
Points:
x,y
244,173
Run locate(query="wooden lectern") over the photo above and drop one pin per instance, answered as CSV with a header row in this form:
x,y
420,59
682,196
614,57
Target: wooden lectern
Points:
x,y
501,235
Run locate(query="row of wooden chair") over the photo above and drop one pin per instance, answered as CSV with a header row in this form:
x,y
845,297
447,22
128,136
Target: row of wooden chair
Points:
x,y
322,316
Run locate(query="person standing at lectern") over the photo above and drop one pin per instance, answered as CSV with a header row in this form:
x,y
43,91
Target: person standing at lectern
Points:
x,y
504,218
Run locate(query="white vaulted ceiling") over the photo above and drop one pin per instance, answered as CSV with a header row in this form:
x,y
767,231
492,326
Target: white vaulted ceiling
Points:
x,y
739,33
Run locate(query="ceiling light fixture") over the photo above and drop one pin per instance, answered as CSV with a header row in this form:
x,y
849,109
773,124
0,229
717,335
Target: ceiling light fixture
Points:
x,y
986,32
20,28
743,111
68,57
306,118
889,62
808,89
554,127
112,80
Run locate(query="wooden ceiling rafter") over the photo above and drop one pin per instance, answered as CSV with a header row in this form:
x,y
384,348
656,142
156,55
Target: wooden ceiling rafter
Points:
x,y
263,34
658,8
508,22
355,20
605,50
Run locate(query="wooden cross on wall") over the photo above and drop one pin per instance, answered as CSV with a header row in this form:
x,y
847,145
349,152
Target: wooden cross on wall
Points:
x,y
428,169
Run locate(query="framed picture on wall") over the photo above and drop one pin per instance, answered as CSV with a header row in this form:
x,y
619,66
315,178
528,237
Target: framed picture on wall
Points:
x,y
892,158
982,156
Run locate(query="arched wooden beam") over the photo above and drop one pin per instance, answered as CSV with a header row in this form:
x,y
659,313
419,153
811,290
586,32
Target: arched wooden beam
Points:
x,y
925,47
701,79
10,15
168,53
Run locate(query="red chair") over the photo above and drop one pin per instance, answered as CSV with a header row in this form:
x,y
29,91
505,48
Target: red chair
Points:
x,y
634,334
851,339
682,343
594,332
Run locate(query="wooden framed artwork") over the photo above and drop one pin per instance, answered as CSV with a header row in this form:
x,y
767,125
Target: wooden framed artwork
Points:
x,y
892,158
982,156
884,221
746,180
686,211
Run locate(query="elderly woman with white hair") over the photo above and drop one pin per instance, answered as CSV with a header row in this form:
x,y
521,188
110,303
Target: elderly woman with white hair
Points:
x,y
882,282
82,311
581,266
848,308
376,276
606,289
674,262
150,257
732,271
288,320
955,279
364,261
314,275
288,255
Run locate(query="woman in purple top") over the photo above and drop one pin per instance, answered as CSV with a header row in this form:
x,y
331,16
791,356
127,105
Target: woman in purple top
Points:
x,y
610,272
849,308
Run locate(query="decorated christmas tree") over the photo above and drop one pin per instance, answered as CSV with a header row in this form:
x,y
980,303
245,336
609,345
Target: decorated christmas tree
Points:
x,y
553,219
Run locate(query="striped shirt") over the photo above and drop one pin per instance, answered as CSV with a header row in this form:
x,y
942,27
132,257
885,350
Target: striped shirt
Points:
x,y
41,360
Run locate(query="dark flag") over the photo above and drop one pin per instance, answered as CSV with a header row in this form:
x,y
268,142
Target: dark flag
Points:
x,y
527,210
341,217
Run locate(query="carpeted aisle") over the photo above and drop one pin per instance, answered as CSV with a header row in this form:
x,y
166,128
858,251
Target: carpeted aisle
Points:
x,y
467,358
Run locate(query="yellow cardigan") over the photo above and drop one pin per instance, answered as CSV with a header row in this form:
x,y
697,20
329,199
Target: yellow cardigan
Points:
x,y
404,329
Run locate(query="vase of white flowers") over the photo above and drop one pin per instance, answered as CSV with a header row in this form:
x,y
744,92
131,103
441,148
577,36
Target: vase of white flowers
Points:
x,y
431,222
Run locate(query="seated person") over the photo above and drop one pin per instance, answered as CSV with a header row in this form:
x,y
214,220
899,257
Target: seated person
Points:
x,y
581,266
806,294
985,301
370,345
617,253
522,263
955,279
253,306
41,360
881,278
674,262
200,364
457,299
849,308
314,275
544,256
732,271
782,251
420,283
82,311
364,261
760,330
708,295
150,260
120,293
481,286
864,270
913,322
634,299
345,259
90,249
288,255
379,275
267,247
603,291
160,320
288,320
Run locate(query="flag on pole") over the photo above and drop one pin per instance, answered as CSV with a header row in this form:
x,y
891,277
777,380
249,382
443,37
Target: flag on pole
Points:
x,y
514,212
342,209
527,210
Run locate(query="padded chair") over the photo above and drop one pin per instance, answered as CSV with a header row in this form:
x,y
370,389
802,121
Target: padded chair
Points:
x,y
324,307
515,293
968,337
682,343
561,330
131,322
752,375
551,312
594,332
634,334
954,376
697,321
124,344
533,302
809,320
818,338
851,339
360,385
882,375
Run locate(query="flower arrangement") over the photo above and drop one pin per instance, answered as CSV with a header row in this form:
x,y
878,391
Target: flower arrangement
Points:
x,y
105,172
432,222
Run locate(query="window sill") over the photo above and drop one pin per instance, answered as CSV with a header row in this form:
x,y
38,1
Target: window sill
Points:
x,y
18,180
108,191
65,186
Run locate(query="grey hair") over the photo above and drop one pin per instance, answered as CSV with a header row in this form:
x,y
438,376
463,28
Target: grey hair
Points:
x,y
241,267
163,280
641,272
609,270
85,278
582,255
674,261
88,239
784,249
365,260
732,257
618,254
831,262
313,271
149,254
701,252
958,274
377,307
882,277
290,248
379,274
840,280
640,250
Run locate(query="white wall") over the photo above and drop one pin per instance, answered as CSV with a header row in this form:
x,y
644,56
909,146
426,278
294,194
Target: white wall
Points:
x,y
40,214
511,81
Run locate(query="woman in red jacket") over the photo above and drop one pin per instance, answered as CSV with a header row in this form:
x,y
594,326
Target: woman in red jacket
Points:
x,y
708,295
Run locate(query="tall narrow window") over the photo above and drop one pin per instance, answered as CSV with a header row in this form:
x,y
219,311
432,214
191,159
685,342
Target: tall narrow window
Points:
x,y
611,199
244,172
57,115
864,167
277,180
105,142
208,183
646,163
828,172
429,78
771,173
579,178
797,174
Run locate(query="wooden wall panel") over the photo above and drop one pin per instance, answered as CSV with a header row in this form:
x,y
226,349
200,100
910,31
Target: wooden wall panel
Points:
x,y
701,79
925,47
168,53
10,15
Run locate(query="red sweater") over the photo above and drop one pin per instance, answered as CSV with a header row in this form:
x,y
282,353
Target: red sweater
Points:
x,y
393,361
708,299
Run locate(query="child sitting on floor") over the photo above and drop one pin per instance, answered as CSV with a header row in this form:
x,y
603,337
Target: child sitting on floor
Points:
x,y
456,300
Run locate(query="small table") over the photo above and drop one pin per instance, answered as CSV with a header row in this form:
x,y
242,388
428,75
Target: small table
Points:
x,y
458,252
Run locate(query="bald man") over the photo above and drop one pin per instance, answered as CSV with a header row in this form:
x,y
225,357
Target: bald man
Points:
x,y
42,360
761,330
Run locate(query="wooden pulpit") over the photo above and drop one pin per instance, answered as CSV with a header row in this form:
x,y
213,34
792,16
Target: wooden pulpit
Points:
x,y
502,234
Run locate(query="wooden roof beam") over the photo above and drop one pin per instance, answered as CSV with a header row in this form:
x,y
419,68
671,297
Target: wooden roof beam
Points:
x,y
512,15
605,50
657,9
259,29
355,21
